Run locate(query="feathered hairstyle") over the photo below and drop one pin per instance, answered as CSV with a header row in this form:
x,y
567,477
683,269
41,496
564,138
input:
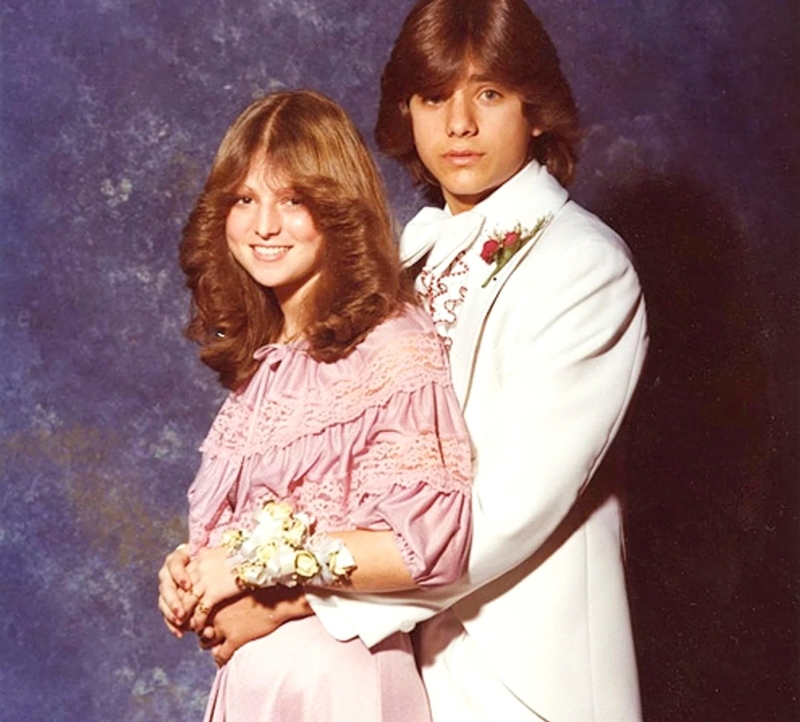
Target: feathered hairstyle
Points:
x,y
309,142
507,43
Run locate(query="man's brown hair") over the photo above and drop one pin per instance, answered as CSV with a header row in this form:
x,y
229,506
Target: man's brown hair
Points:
x,y
507,43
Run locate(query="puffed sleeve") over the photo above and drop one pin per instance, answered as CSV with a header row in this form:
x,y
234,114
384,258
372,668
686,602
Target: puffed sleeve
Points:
x,y
413,475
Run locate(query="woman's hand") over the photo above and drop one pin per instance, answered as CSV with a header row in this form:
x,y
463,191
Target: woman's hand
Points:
x,y
212,582
175,600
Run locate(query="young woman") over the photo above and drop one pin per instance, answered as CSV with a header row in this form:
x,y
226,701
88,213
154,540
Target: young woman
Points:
x,y
341,411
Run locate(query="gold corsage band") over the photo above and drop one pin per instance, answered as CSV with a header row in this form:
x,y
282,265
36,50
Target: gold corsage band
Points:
x,y
283,548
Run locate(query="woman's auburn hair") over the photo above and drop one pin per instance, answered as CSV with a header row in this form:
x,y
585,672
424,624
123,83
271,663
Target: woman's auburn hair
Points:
x,y
309,145
507,43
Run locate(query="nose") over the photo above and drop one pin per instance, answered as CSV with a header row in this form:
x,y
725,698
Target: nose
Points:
x,y
460,117
267,221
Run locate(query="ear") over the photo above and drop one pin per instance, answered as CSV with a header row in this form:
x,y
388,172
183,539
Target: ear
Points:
x,y
536,132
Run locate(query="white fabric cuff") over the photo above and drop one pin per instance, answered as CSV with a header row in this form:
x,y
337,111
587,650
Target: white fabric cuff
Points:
x,y
373,618
330,616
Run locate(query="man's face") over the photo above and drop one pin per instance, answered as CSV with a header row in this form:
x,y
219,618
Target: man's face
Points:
x,y
472,141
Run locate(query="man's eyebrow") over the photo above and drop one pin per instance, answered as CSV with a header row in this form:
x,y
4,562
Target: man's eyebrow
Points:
x,y
448,89
486,78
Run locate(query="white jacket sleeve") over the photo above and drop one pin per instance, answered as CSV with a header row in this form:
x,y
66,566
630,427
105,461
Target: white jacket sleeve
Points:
x,y
559,358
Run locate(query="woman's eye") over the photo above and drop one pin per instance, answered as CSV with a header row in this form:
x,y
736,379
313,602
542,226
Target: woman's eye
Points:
x,y
243,200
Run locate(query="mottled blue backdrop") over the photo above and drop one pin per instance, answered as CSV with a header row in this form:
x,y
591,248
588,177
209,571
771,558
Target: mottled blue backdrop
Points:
x,y
110,112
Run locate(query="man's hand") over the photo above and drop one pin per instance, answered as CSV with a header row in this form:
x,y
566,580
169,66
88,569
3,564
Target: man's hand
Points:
x,y
252,616
175,600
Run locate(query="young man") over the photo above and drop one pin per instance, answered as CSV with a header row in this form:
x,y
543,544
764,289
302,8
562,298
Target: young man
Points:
x,y
540,306
547,337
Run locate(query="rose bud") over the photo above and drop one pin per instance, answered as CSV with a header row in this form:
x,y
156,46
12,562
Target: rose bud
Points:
x,y
489,249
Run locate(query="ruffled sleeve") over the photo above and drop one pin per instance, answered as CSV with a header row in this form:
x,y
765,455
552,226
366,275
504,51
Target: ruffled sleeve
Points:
x,y
414,473
432,530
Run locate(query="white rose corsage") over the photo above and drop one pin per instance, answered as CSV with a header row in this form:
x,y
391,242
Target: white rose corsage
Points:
x,y
282,548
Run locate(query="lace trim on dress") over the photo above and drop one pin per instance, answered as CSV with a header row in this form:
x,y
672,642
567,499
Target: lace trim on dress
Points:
x,y
442,463
407,364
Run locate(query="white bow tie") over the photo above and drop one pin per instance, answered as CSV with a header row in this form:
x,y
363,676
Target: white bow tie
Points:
x,y
441,233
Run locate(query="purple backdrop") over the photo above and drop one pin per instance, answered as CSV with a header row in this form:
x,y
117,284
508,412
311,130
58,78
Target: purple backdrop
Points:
x,y
111,111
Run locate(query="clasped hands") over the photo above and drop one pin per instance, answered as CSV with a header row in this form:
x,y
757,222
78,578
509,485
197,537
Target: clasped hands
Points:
x,y
201,595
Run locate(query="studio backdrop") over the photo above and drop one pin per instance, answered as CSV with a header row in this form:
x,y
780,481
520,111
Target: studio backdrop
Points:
x,y
110,111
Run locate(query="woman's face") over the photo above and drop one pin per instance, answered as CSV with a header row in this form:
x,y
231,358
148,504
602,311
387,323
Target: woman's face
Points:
x,y
273,237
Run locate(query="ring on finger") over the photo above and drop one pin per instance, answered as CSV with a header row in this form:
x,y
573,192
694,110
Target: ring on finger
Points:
x,y
203,609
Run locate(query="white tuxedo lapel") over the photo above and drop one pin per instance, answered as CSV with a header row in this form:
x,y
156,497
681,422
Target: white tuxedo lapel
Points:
x,y
531,195
472,318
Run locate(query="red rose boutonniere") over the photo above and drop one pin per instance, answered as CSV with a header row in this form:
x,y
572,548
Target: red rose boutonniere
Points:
x,y
500,247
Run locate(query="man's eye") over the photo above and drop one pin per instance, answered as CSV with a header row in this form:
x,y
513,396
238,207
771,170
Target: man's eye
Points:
x,y
491,94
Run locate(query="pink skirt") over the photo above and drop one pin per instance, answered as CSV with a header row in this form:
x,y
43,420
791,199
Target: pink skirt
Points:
x,y
300,673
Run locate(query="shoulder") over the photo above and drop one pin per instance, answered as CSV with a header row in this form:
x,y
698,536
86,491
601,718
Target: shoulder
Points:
x,y
575,229
579,273
577,246
404,344
408,322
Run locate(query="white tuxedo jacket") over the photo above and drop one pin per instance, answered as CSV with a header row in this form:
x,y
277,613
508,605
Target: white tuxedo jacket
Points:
x,y
545,360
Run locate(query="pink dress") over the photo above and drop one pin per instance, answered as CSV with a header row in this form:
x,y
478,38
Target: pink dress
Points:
x,y
372,441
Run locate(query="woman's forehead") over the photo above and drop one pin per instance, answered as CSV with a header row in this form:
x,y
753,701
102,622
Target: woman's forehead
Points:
x,y
264,169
